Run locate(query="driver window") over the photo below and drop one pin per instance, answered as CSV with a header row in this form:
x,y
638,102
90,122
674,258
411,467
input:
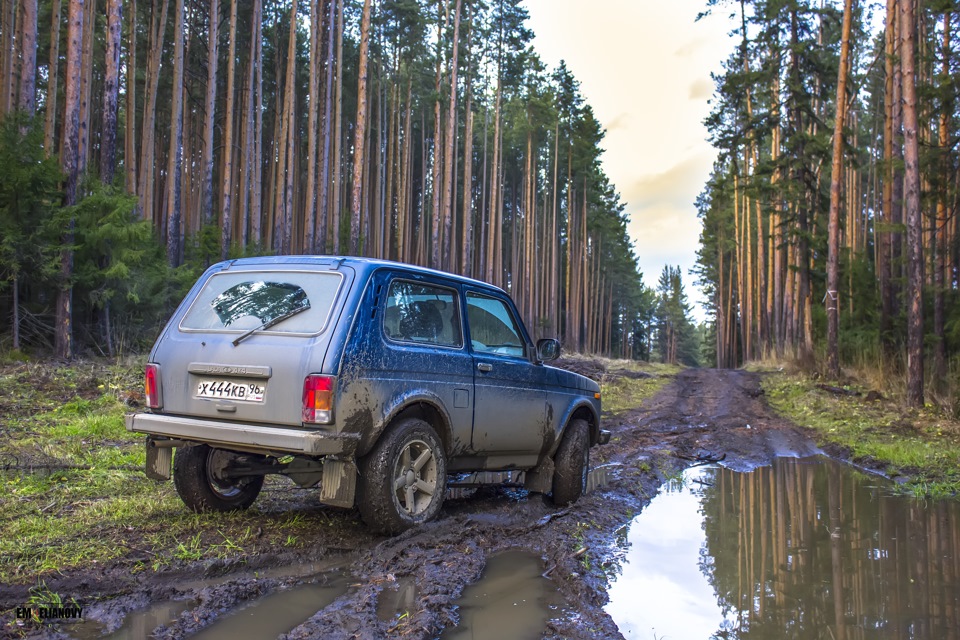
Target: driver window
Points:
x,y
492,327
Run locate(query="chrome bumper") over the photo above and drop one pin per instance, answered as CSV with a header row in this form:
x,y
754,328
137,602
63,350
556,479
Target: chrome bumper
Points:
x,y
243,436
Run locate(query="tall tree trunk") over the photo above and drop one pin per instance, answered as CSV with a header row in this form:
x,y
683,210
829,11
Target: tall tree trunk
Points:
x,y
111,93
130,147
942,220
450,140
158,27
7,28
256,196
883,236
309,224
323,215
337,135
86,88
226,205
28,56
836,174
175,158
69,163
913,215
360,131
209,111
53,66
283,214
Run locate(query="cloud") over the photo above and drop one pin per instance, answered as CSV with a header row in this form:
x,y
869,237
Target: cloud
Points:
x,y
675,187
701,89
619,121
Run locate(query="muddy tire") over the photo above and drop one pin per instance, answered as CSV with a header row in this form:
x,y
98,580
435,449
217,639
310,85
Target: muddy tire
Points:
x,y
196,476
403,479
572,463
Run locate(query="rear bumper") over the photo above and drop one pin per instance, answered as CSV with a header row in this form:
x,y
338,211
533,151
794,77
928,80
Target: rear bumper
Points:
x,y
244,436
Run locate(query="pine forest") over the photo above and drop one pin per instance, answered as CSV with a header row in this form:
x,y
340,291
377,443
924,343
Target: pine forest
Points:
x,y
830,219
143,140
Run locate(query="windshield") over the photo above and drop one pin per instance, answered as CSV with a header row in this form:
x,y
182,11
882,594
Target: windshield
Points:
x,y
248,300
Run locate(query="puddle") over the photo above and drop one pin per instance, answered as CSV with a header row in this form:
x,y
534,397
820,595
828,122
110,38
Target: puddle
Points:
x,y
511,600
805,548
399,600
275,614
137,624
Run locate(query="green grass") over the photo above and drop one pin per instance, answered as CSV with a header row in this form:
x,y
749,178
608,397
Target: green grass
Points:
x,y
920,446
73,493
620,393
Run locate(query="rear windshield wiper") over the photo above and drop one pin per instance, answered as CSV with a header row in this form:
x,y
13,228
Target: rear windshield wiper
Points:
x,y
270,323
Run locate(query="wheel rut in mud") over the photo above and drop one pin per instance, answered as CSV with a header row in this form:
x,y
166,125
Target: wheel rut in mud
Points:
x,y
700,415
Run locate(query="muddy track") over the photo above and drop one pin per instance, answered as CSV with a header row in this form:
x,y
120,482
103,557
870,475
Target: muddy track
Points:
x,y
701,415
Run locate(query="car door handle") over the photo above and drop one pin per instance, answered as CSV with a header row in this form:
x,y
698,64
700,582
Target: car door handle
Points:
x,y
485,367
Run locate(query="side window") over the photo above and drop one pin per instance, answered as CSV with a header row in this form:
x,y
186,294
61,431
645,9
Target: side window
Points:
x,y
492,327
422,313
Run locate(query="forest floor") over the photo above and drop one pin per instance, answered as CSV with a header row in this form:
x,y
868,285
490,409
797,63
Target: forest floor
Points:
x,y
80,523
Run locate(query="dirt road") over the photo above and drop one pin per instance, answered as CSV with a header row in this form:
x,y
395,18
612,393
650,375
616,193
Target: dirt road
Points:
x,y
700,415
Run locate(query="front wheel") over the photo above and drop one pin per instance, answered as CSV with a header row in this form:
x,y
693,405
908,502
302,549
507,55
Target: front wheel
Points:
x,y
198,477
572,463
404,478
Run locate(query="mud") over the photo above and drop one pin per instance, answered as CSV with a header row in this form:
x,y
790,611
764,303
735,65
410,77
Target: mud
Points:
x,y
702,415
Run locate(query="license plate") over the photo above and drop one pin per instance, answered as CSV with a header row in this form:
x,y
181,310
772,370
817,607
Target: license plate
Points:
x,y
230,390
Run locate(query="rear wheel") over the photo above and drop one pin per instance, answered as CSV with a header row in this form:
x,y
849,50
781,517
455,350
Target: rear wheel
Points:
x,y
404,478
198,474
572,463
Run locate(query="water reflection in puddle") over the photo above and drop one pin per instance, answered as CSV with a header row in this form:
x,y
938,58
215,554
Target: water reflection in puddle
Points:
x,y
276,613
802,549
511,600
137,624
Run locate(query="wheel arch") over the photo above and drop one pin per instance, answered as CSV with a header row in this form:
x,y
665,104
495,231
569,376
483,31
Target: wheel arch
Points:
x,y
583,410
418,405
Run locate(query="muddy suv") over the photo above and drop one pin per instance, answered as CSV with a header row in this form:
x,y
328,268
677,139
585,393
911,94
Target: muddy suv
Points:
x,y
375,380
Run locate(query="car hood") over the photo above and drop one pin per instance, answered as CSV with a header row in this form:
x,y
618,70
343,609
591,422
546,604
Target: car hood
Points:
x,y
572,380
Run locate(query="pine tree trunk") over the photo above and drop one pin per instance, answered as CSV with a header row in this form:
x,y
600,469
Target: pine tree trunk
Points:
x,y
283,214
175,157
69,163
940,267
86,88
226,207
359,137
467,246
310,223
130,147
209,111
158,27
337,135
7,55
913,213
28,57
256,195
836,173
111,93
50,104
450,140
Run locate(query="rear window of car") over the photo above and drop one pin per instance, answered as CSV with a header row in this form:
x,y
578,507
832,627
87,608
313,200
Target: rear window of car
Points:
x,y
296,301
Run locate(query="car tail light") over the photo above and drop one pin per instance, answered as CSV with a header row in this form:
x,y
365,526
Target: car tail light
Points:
x,y
152,385
318,399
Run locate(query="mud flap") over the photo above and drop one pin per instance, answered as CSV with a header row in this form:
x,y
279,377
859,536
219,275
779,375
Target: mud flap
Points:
x,y
540,478
339,485
159,461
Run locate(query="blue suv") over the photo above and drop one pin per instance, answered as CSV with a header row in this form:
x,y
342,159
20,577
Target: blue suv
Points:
x,y
372,379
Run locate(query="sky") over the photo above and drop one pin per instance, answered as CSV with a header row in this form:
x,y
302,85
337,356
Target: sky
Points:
x,y
644,66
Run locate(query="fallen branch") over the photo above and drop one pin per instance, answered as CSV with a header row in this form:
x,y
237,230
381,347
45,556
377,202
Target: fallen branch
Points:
x,y
840,391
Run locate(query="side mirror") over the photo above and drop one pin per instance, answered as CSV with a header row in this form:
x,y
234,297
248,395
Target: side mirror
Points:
x,y
548,349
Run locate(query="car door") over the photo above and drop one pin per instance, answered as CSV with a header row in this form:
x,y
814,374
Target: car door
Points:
x,y
422,353
509,397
